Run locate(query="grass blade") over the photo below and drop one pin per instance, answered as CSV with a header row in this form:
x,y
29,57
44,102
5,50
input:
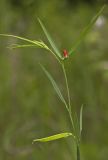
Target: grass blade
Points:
x,y
54,85
34,43
56,50
77,126
86,30
54,137
21,38
14,46
81,110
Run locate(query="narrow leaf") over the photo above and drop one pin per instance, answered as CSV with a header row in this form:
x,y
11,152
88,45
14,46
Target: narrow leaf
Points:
x,y
54,85
81,110
54,137
85,31
13,46
77,125
50,39
34,42
22,46
21,38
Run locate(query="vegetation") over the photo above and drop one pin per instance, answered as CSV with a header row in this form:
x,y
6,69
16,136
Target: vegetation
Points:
x,y
25,92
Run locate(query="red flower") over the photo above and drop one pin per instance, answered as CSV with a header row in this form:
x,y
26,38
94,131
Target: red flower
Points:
x,y
65,53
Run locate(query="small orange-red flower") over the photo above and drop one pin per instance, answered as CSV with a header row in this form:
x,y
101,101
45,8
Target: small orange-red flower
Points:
x,y
65,53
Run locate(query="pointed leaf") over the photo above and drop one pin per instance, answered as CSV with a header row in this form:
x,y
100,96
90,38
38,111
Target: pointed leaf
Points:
x,y
21,38
54,85
34,42
81,110
54,137
85,31
50,39
77,125
14,46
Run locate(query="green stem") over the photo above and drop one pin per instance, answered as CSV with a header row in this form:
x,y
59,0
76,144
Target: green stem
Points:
x,y
70,112
78,153
67,86
69,101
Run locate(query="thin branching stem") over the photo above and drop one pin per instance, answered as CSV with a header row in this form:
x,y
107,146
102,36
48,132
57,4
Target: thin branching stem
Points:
x,y
70,112
69,100
67,86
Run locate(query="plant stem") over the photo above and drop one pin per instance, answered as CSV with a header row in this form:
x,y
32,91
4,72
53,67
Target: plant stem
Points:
x,y
67,86
78,153
70,112
69,101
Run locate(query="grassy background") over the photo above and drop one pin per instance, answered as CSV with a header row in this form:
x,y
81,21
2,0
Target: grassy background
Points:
x,y
29,106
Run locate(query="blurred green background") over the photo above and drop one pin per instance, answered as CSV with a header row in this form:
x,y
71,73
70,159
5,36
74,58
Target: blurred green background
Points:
x,y
29,107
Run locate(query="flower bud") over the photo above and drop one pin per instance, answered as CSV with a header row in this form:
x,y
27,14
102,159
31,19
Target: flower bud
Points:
x,y
65,53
